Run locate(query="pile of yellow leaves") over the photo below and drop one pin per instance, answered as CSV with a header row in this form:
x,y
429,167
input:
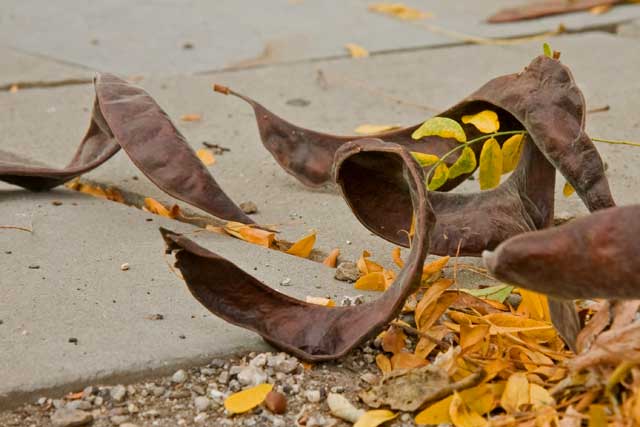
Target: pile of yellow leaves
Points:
x,y
528,375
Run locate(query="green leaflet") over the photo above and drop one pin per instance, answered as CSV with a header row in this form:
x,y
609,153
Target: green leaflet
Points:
x,y
490,164
466,163
547,50
425,159
511,152
440,176
496,293
440,126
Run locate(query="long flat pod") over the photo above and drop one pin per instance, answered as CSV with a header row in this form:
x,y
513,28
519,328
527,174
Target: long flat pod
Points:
x,y
597,256
544,101
309,331
125,116
539,9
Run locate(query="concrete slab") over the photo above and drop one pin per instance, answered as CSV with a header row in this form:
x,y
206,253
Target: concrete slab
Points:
x,y
437,78
27,70
164,36
64,281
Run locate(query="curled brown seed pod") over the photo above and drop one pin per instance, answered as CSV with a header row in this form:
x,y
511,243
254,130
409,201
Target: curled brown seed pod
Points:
x,y
597,256
311,332
125,116
544,101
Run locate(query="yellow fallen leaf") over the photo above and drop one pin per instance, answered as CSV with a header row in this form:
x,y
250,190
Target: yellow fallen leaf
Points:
x,y
374,418
480,399
485,121
158,208
425,345
435,266
490,164
383,362
400,11
368,129
304,246
463,416
206,156
393,340
397,259
327,302
248,399
374,281
539,396
599,10
511,152
367,266
465,163
250,234
95,191
506,323
516,393
332,259
356,51
14,88
389,276
534,305
404,360
472,335
440,126
191,117
428,303
567,190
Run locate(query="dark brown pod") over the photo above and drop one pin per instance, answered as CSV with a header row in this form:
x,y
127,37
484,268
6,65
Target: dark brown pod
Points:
x,y
597,256
309,331
125,116
308,155
544,100
546,8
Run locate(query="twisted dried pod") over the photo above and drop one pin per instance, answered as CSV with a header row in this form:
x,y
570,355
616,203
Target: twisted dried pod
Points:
x,y
543,100
311,332
125,116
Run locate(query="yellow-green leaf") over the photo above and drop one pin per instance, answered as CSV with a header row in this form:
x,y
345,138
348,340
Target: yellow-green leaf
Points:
x,y
490,164
547,50
440,126
425,159
463,416
485,121
439,177
374,418
304,246
356,51
516,393
567,190
369,129
248,399
466,163
511,152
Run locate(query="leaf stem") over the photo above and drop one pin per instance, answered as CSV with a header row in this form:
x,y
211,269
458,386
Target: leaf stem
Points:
x,y
614,141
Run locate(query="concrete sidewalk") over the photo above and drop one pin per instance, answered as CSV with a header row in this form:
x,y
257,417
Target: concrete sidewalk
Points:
x,y
64,280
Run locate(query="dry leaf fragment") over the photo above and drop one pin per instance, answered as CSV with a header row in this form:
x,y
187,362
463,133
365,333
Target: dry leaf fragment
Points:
x,y
206,156
485,121
472,335
374,418
14,88
158,208
327,302
534,305
403,360
370,129
599,10
567,190
304,246
481,399
393,340
367,266
383,363
245,400
408,390
356,51
399,10
516,393
191,117
435,266
249,234
332,259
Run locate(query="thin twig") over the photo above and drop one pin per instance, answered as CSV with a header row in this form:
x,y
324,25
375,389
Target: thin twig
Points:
x,y
15,227
491,41
413,331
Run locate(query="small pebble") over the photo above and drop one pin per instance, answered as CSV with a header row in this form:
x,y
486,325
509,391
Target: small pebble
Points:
x,y
285,282
118,393
119,419
125,266
347,272
201,403
34,266
179,377
249,207
70,418
312,396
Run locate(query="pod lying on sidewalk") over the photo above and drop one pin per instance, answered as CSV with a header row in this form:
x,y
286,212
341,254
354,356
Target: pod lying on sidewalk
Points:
x,y
311,332
125,116
597,256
